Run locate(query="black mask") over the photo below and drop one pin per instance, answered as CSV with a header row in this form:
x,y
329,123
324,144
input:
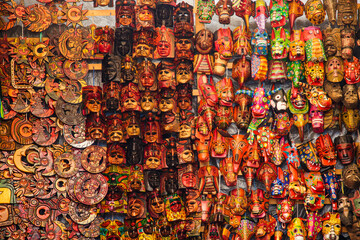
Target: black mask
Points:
x,y
134,151
171,185
123,41
153,178
278,101
111,65
164,15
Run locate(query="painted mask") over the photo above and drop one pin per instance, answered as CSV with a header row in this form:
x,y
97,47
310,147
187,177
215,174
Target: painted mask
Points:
x,y
111,65
347,43
314,183
259,202
345,210
152,156
295,72
242,115
184,72
297,46
279,187
219,145
332,42
351,119
223,43
279,12
332,186
92,99
345,149
308,157
314,47
204,41
265,229
184,48
104,37
346,13
277,71
238,145
279,43
313,225
147,75
110,229
171,156
298,104
165,43
351,176
152,180
188,176
184,20
241,71
166,75
145,18
125,15
185,97
285,210
207,90
261,14
142,46
352,71
167,101
151,130
355,202
223,117
242,41
334,69
95,127
192,204
300,120
115,130
156,204
331,228
225,92
238,202
249,164
259,67
296,230
111,96
317,96
244,10
326,150
174,208
315,73
246,229
296,9
316,117
297,187
209,180
260,42
224,10
206,10
315,12
136,206
229,170
130,96
128,70
278,101
267,174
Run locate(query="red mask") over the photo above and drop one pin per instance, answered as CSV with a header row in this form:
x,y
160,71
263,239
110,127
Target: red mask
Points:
x,y
308,157
326,150
267,174
229,170
297,189
259,202
285,209
209,180
225,92
352,71
202,149
219,145
239,146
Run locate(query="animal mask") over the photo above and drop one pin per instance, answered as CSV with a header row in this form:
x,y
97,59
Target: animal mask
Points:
x,y
279,12
317,96
313,225
296,230
297,46
352,71
241,70
355,201
279,187
316,117
260,42
242,38
326,150
308,157
224,10
223,43
265,229
285,210
315,12
279,43
313,44
238,202
332,187
267,174
242,115
259,202
296,9
261,14
331,226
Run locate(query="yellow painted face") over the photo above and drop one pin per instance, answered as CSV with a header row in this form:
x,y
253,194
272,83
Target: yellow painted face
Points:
x,y
331,226
5,196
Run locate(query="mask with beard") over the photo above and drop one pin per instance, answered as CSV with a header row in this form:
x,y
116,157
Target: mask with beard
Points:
x,y
351,176
333,90
334,69
345,210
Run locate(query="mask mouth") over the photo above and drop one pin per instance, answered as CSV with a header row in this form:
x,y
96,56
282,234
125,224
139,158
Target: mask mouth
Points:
x,y
297,237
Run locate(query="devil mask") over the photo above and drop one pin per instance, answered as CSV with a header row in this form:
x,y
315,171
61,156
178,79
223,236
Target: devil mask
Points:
x,y
331,226
352,71
326,150
345,149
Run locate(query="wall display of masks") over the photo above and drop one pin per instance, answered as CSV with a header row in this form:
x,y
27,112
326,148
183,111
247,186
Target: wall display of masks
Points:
x,y
246,132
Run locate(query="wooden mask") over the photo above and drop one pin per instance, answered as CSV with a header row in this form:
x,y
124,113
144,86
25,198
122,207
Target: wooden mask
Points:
x,y
166,75
115,129
209,180
164,15
326,150
104,37
205,10
279,12
143,44
296,9
279,43
152,156
145,18
332,42
136,206
351,119
315,12
345,149
241,70
123,41
297,46
92,99
147,75
125,15
165,43
219,145
116,154
259,202
184,49
111,65
313,44
351,176
95,127
346,13
130,96
128,70
111,96
334,69
188,177
224,10
230,171
184,20
347,43
352,71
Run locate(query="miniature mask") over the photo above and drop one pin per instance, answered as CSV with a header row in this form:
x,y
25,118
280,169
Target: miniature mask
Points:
x,y
147,75
130,96
242,38
315,12
326,150
142,46
145,18
165,43
279,43
297,46
350,96
334,69
352,71
345,210
184,20
242,115
224,10
351,176
279,12
346,13
259,202
351,119
313,44
152,156
331,228
260,42
285,210
238,202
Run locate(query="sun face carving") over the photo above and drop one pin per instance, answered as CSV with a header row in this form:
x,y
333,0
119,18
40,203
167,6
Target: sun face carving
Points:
x,y
73,14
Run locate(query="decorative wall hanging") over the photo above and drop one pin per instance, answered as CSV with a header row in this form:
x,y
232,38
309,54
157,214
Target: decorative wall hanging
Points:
x,y
37,18
76,44
73,14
